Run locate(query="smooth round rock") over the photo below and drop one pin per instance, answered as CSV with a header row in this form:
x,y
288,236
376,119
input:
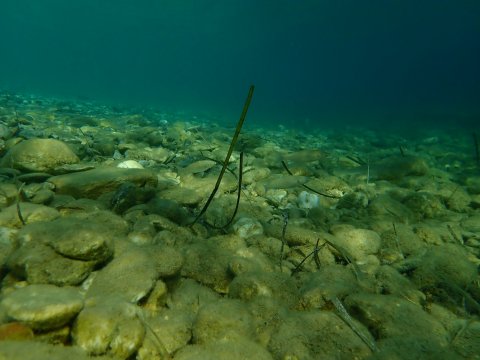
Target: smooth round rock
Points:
x,y
358,242
39,155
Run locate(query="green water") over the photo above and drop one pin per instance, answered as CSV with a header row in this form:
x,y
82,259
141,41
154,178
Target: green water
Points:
x,y
315,63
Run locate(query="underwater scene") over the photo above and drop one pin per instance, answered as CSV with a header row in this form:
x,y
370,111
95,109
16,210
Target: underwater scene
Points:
x,y
209,180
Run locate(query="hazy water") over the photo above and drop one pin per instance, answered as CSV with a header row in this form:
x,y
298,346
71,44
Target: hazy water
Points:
x,y
314,62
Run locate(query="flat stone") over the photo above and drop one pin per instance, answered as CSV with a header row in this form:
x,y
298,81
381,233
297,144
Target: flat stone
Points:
x,y
76,239
130,276
43,307
93,183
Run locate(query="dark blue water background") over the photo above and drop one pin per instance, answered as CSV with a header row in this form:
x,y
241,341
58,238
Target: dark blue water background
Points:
x,y
317,63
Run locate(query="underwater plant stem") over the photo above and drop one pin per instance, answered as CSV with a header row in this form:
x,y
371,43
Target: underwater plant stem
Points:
x,y
308,187
239,192
229,153
240,179
284,230
345,316
397,243
19,211
314,253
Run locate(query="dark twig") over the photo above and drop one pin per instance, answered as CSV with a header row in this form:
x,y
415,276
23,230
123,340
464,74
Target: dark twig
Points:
x,y
19,211
239,192
229,153
314,253
284,230
345,316
346,256
356,159
308,187
397,243
218,162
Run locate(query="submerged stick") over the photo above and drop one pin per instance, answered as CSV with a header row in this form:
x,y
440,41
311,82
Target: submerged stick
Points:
x,y
239,192
17,201
314,253
229,153
306,186
284,231
397,243
345,316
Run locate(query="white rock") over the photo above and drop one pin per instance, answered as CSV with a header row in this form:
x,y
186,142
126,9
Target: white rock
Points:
x,y
130,164
308,200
